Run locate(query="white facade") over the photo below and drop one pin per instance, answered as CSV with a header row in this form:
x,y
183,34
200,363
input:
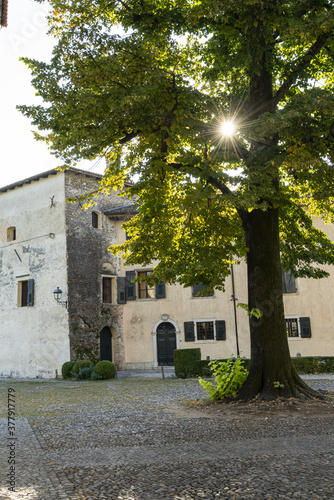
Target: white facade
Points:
x,y
34,339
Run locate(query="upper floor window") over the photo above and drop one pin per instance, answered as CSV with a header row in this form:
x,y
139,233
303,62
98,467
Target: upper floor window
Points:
x,y
129,289
96,220
108,290
25,293
145,291
11,233
201,290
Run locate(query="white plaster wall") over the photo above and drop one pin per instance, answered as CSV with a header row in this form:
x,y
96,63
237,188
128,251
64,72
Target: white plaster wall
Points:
x,y
314,299
34,340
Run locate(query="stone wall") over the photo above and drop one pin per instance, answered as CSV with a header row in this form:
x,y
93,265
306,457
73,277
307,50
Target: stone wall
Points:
x,y
88,259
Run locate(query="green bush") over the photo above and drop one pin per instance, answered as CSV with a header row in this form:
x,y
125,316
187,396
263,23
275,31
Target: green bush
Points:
x,y
185,361
66,369
106,369
314,364
95,376
202,368
78,365
85,373
229,377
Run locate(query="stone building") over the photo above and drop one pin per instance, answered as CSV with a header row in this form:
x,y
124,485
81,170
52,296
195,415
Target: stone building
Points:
x,y
48,244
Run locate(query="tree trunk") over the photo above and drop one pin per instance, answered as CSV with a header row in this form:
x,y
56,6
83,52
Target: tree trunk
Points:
x,y
272,374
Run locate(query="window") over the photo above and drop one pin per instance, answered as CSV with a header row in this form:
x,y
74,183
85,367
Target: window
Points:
x,y
145,291
201,330
11,233
25,293
96,220
108,290
205,330
292,329
201,291
129,289
298,327
288,282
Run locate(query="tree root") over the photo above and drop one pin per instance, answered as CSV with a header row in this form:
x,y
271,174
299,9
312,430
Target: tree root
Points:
x,y
292,387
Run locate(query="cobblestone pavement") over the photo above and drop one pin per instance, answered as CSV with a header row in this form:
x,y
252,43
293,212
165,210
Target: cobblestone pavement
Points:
x,y
141,442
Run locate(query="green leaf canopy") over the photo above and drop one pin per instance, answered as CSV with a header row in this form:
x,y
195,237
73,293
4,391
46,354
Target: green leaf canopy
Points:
x,y
148,84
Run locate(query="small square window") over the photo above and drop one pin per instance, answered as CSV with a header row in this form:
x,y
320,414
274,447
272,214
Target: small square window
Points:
x,y
11,234
96,220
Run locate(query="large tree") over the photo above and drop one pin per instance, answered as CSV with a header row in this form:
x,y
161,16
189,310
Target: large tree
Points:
x,y
148,84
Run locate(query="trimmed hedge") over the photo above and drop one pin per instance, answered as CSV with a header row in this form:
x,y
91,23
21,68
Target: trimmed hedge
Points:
x,y
106,369
78,365
185,362
66,369
309,364
314,364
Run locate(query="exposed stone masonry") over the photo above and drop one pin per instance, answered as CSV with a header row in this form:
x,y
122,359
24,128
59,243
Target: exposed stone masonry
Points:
x,y
88,259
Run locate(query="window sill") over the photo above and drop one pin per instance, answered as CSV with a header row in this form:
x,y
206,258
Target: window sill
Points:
x,y
145,300
206,341
295,338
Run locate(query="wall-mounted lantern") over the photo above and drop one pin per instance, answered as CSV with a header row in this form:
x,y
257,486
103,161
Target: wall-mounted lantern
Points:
x,y
58,295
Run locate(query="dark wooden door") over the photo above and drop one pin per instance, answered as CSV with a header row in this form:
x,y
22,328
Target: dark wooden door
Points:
x,y
166,339
105,344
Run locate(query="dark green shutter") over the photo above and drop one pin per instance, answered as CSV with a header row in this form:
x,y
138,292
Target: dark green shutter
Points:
x,y
30,299
189,331
305,328
160,291
130,286
288,282
221,330
121,284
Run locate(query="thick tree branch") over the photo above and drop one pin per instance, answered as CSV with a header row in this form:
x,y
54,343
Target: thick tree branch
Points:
x,y
301,65
210,178
129,137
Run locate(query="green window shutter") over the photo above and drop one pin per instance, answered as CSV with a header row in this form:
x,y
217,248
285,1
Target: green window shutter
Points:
x,y
189,331
288,282
305,328
121,285
130,286
30,299
221,330
160,291
283,281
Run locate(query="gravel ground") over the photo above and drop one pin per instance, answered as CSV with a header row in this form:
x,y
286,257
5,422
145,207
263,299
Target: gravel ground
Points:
x,y
154,439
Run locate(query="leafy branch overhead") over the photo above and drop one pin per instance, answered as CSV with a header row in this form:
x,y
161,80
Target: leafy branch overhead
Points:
x,y
148,85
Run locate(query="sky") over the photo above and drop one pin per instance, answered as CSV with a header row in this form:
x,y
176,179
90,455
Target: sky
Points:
x,y
21,156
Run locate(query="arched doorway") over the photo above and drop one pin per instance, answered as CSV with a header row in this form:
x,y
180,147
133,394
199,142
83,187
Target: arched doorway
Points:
x,y
166,343
105,344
